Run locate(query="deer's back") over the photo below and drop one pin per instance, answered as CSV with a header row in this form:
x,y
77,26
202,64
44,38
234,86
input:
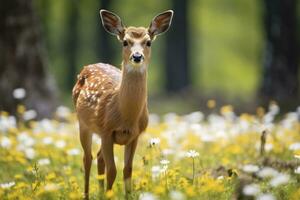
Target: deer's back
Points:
x,y
94,88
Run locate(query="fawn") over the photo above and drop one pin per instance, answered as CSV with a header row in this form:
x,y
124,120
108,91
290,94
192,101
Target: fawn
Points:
x,y
113,103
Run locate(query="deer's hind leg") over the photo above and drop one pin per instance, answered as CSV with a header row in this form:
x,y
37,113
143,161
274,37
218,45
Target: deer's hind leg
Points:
x,y
101,169
86,143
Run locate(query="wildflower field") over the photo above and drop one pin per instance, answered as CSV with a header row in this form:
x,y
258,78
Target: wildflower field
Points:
x,y
221,155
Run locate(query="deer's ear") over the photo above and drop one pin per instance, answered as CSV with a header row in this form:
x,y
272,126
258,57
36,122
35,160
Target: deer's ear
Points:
x,y
160,23
112,23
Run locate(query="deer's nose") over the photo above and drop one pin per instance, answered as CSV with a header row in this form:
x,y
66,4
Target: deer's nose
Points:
x,y
137,57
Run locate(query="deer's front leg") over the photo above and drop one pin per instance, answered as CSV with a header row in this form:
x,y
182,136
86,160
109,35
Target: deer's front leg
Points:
x,y
108,155
128,158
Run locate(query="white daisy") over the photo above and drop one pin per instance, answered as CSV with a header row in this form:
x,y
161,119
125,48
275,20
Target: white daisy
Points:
x,y
192,154
154,141
164,162
250,168
44,161
19,93
251,190
7,185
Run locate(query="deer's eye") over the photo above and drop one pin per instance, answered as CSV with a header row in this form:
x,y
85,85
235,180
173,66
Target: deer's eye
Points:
x,y
125,43
148,43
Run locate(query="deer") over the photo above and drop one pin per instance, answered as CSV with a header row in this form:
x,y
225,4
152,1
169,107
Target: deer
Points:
x,y
112,103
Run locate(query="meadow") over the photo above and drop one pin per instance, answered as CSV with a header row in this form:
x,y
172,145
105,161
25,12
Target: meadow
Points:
x,y
220,155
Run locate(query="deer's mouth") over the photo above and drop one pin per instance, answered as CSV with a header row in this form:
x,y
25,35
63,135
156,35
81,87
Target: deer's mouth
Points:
x,y
136,65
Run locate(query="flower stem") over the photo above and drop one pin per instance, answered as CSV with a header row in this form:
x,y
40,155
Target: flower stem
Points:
x,y
166,176
193,170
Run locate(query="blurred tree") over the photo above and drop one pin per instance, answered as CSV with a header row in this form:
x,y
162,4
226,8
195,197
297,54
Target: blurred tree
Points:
x,y
177,49
280,74
45,15
103,45
71,41
23,62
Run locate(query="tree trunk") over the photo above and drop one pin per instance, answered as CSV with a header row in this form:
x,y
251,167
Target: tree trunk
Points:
x,y
280,73
22,59
177,61
71,45
45,16
103,45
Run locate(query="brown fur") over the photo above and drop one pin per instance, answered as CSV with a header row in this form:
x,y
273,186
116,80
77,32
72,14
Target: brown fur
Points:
x,y
110,103
113,103
136,32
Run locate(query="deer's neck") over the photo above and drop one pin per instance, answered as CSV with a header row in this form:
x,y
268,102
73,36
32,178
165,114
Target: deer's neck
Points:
x,y
132,94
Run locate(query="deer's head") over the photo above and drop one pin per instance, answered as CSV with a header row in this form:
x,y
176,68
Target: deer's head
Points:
x,y
136,40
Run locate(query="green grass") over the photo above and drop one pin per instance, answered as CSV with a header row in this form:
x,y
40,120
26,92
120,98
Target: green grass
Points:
x,y
43,159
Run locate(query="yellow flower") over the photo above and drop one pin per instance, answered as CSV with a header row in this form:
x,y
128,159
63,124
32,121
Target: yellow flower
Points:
x,y
143,182
109,194
74,195
296,195
21,160
61,184
136,187
21,109
225,160
13,195
4,113
207,183
18,176
51,176
226,109
13,130
211,103
34,184
246,117
1,192
183,182
190,191
68,171
9,158
159,189
172,174
20,185
30,169
234,149
100,177
72,179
